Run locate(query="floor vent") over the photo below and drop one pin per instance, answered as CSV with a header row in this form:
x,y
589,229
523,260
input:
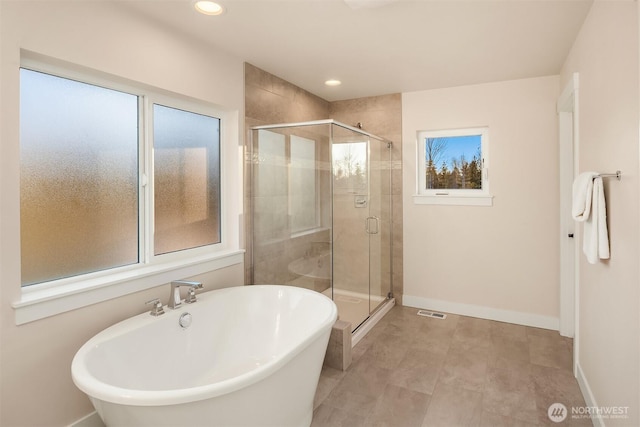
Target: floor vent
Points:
x,y
435,315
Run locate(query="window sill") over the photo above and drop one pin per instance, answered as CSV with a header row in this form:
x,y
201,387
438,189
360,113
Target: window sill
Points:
x,y
453,200
40,302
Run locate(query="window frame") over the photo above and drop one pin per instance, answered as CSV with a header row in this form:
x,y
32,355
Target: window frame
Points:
x,y
452,196
45,299
189,106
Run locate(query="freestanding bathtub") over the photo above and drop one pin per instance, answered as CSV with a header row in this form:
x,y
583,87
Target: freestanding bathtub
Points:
x,y
251,357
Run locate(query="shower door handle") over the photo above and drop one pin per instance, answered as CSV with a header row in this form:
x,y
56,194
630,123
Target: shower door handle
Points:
x,y
367,224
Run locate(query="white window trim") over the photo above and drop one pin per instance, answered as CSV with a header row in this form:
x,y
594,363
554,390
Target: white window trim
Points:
x,y
57,297
458,200
39,301
453,197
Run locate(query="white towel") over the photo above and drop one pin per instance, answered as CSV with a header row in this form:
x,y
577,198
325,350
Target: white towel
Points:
x,y
589,207
582,195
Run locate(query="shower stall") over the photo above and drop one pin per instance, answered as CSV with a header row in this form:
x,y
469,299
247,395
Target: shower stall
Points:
x,y
321,213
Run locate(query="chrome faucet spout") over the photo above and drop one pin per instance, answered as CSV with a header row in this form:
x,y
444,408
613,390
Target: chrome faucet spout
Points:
x,y
174,299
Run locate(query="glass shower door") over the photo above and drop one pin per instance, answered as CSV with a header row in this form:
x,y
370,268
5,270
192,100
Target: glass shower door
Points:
x,y
378,225
361,224
321,213
350,166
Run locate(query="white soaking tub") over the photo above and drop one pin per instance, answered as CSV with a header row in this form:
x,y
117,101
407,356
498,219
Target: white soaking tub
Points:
x,y
251,357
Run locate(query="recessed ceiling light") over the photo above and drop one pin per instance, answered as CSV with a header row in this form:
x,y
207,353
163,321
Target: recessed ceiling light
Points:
x,y
333,82
208,7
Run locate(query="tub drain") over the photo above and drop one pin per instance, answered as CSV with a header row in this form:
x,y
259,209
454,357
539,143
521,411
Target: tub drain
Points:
x,y
185,320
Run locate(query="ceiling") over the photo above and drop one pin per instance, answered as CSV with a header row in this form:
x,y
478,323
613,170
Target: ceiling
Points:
x,y
377,47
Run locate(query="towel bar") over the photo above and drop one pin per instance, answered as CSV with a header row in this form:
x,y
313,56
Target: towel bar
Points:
x,y
618,175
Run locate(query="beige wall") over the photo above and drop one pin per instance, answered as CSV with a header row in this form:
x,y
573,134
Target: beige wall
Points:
x,y
35,380
605,55
497,262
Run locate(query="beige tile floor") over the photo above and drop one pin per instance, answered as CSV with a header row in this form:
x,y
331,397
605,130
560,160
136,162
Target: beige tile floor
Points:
x,y
461,371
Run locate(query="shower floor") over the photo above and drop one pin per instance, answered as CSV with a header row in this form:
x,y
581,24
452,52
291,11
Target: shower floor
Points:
x,y
353,307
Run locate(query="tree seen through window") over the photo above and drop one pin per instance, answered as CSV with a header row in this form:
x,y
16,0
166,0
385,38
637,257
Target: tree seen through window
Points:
x,y
453,162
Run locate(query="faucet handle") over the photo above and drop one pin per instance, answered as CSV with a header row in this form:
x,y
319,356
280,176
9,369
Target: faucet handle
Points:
x,y
157,309
191,293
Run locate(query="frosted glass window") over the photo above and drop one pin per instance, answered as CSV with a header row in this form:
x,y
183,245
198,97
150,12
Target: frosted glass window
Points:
x,y
302,184
271,188
186,179
79,178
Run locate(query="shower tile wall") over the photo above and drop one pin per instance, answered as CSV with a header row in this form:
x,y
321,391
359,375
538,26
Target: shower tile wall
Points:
x,y
270,100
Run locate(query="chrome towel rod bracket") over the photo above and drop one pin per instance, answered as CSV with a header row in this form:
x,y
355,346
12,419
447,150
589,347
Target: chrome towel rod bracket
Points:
x,y
618,175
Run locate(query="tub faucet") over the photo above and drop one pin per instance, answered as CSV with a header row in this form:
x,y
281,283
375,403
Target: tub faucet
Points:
x,y
174,299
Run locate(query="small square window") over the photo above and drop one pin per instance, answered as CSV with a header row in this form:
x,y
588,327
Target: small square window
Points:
x,y
453,167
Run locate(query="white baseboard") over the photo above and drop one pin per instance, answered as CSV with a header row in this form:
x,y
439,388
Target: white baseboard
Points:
x,y
482,312
91,420
589,399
